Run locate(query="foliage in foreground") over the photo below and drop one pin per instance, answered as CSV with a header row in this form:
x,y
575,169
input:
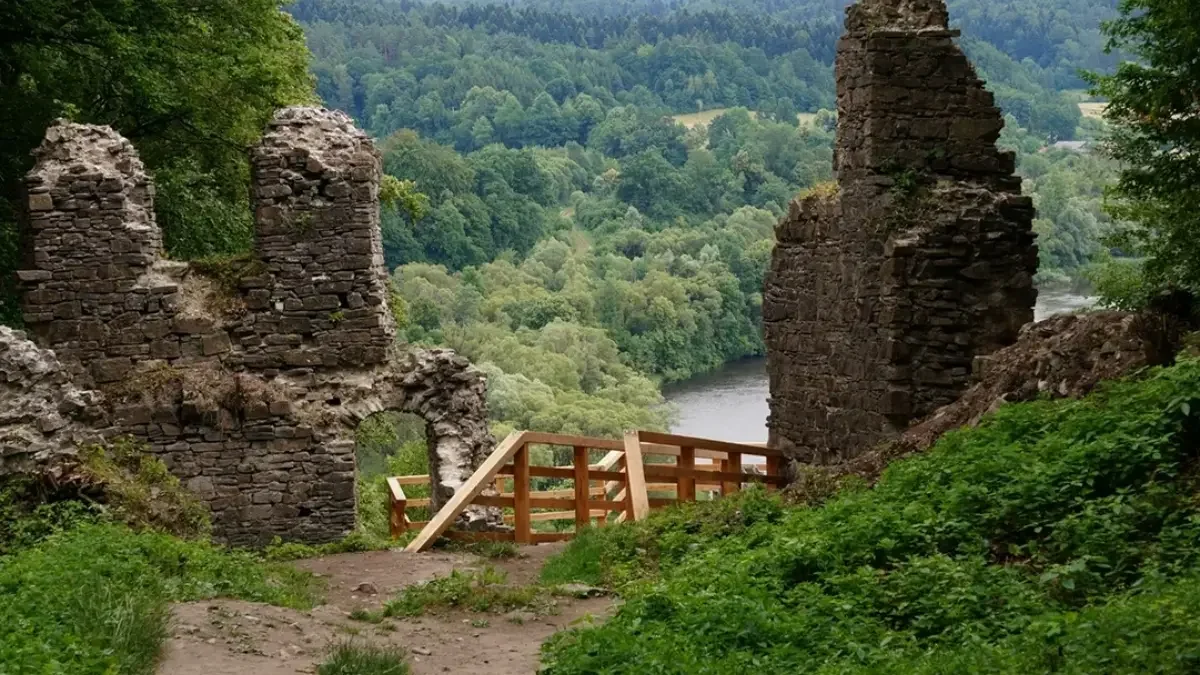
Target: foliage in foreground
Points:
x,y
357,658
1058,537
95,599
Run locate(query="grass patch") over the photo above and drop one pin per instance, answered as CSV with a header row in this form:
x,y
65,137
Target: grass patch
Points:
x,y
483,590
361,658
95,599
1058,536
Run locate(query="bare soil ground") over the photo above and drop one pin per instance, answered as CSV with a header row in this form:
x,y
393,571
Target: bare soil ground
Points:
x,y
227,637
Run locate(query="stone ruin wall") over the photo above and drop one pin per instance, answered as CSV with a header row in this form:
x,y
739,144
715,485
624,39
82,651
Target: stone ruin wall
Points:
x,y
251,395
884,289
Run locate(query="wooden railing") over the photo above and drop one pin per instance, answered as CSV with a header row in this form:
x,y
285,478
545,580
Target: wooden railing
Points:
x,y
614,489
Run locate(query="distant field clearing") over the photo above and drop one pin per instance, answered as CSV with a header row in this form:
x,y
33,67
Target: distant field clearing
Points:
x,y
1092,109
703,119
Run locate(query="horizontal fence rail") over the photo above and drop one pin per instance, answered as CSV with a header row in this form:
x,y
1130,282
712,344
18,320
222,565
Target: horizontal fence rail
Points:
x,y
643,471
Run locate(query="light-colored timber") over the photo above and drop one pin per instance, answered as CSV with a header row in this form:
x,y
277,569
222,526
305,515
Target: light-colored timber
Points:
x,y
612,490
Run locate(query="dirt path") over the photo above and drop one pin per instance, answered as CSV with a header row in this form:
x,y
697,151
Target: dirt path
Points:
x,y
228,637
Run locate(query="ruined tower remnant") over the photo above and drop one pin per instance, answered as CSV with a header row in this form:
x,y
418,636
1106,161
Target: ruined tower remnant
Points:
x,y
883,289
249,386
93,241
316,197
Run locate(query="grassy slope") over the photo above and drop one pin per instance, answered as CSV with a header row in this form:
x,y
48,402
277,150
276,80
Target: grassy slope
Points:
x,y
1058,537
95,599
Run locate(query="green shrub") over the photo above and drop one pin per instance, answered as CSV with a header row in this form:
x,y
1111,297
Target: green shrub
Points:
x,y
95,599
358,658
1057,537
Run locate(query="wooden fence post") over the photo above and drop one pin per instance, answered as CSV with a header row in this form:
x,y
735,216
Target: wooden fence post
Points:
x,y
583,489
397,514
521,488
774,468
732,464
685,485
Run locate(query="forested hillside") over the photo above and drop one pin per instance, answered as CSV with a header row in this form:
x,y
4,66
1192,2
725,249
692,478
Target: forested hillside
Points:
x,y
564,230
567,210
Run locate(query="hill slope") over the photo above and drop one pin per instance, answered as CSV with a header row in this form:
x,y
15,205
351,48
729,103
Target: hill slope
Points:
x,y
1058,537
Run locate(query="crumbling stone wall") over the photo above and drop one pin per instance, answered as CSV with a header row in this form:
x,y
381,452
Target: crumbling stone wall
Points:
x,y
44,414
316,197
251,395
884,288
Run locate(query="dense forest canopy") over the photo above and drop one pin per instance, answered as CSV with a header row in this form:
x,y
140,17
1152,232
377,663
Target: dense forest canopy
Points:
x,y
682,61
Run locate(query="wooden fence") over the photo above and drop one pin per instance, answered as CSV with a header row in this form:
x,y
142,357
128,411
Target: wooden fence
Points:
x,y
644,471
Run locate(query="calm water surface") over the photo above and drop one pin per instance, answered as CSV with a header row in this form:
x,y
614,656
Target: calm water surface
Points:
x,y
730,404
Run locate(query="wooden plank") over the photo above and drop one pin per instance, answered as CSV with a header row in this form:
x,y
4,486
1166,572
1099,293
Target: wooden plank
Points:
x,y
545,516
672,472
774,467
500,502
596,491
543,503
583,516
548,537
469,490
639,501
674,451
417,524
732,465
521,496
564,440
706,444
418,503
411,480
611,459
686,492
569,473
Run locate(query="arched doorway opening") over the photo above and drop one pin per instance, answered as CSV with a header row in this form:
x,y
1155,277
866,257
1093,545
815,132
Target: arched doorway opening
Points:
x,y
386,444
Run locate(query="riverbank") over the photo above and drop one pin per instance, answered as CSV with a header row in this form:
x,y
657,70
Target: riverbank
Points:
x,y
730,403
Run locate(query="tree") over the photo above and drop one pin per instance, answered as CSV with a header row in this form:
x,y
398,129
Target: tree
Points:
x,y
1155,112
192,84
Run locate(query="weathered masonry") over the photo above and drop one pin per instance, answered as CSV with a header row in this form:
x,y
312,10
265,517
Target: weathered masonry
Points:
x,y
884,288
249,382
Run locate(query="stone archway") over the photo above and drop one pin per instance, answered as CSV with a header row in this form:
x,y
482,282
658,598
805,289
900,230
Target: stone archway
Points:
x,y
444,390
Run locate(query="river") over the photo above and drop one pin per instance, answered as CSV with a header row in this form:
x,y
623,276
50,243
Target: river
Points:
x,y
730,404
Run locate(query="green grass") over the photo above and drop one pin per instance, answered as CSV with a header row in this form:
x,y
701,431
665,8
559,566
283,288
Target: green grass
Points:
x,y
485,590
1057,537
95,599
360,658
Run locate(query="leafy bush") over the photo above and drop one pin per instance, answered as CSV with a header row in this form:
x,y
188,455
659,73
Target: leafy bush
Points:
x,y
1057,537
95,599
